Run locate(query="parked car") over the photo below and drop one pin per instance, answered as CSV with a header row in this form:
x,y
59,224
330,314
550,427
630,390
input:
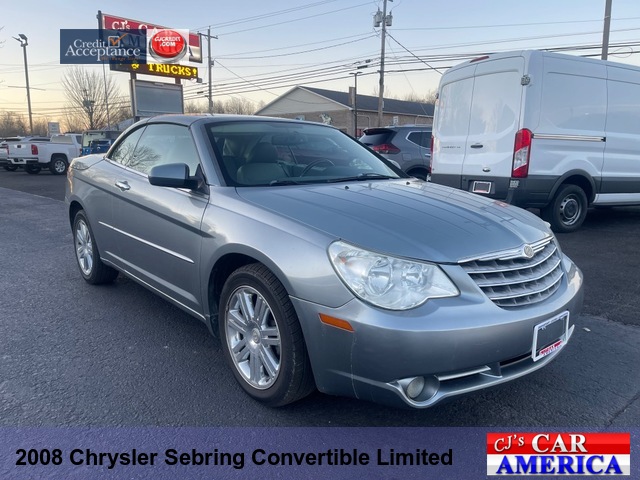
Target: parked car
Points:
x,y
93,141
541,129
323,265
55,154
4,149
4,152
408,145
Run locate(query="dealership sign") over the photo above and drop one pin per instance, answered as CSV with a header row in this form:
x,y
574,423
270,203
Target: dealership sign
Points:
x,y
559,453
160,69
165,44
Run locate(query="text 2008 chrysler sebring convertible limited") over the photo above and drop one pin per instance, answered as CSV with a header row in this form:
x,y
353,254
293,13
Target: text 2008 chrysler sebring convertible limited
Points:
x,y
319,264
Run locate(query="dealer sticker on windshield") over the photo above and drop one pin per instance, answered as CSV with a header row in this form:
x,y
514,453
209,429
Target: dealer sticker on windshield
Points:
x,y
550,336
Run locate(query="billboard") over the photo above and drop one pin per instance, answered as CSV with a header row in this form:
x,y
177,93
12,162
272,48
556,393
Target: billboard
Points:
x,y
154,98
113,22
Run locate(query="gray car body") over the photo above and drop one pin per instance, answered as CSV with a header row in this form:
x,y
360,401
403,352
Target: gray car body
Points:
x,y
181,244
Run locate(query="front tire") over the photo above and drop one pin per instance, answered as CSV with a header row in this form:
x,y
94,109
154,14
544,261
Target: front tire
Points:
x,y
91,267
262,339
58,166
33,169
567,210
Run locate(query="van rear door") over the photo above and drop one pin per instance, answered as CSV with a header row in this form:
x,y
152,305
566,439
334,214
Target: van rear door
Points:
x,y
621,168
451,125
494,120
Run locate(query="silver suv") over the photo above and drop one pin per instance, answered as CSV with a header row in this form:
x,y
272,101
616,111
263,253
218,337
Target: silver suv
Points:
x,y
408,145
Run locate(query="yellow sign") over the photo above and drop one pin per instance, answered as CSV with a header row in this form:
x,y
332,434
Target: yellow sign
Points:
x,y
162,69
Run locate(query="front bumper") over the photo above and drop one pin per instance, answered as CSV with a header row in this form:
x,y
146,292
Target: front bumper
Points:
x,y
458,345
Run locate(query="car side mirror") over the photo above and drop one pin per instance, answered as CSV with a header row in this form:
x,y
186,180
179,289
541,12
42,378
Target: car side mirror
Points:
x,y
174,175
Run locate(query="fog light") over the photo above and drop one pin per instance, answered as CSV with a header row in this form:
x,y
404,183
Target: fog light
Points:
x,y
415,387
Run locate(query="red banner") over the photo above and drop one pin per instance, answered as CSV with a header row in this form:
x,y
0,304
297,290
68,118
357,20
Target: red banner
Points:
x,y
111,22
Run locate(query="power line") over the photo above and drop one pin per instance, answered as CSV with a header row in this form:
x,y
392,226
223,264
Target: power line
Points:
x,y
461,27
265,15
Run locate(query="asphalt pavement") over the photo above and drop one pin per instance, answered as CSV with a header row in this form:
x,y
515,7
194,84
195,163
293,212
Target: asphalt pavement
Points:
x,y
72,354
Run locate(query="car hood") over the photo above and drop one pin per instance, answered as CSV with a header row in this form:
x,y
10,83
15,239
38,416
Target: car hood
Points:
x,y
405,218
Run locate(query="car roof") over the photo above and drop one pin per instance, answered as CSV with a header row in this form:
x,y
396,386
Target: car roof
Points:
x,y
189,120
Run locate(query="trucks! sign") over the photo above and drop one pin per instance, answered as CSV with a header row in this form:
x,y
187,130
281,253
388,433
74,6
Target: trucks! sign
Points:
x,y
112,22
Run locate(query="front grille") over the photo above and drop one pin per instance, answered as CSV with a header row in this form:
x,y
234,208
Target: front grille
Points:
x,y
511,280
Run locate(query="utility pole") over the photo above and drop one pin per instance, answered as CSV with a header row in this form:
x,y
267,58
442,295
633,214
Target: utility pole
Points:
x,y
605,33
384,21
210,65
24,41
106,96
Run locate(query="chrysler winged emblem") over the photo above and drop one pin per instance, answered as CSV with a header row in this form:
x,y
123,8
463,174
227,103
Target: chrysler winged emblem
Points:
x,y
527,251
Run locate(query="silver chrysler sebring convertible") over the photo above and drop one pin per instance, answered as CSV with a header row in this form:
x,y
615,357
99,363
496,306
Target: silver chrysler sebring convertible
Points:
x,y
319,264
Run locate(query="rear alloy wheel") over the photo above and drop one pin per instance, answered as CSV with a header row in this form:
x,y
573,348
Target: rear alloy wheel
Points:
x,y
10,168
567,210
262,339
58,166
91,267
33,169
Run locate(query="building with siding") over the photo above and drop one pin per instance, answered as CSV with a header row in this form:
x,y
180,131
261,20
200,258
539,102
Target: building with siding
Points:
x,y
336,108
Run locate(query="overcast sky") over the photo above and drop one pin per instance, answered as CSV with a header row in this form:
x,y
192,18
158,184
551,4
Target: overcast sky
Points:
x,y
265,48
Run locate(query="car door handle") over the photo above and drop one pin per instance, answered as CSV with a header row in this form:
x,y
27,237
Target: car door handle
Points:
x,y
477,145
123,185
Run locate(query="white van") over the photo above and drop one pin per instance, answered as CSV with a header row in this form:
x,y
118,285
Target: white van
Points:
x,y
540,129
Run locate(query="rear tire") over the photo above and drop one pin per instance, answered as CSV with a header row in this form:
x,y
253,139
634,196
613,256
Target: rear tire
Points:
x,y
567,210
58,166
91,267
33,169
10,168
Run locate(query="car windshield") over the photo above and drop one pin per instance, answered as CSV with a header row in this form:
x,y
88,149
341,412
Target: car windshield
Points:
x,y
252,153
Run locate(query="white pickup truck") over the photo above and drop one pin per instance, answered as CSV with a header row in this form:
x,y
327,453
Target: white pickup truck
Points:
x,y
56,154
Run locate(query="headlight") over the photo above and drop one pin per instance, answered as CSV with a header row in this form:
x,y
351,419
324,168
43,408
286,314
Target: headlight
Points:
x,y
389,282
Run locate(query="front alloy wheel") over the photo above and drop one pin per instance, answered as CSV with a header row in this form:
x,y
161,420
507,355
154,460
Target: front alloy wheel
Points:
x,y
261,337
253,338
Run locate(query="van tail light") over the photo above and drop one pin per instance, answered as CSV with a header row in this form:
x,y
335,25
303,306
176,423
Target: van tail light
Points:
x,y
34,149
386,148
521,154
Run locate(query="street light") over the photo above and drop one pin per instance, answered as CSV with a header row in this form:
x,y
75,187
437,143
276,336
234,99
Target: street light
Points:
x,y
355,98
24,41
355,103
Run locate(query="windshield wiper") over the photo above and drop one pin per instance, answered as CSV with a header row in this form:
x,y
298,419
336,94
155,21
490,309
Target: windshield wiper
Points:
x,y
276,183
362,176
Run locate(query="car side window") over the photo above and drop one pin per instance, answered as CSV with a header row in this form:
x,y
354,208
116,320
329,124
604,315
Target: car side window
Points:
x,y
123,153
420,138
165,143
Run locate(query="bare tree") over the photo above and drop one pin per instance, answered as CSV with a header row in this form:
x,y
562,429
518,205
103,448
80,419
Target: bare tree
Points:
x,y
428,97
12,124
85,92
196,107
240,106
40,127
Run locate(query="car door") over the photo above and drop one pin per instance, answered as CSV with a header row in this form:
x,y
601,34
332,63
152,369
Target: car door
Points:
x,y
159,235
422,141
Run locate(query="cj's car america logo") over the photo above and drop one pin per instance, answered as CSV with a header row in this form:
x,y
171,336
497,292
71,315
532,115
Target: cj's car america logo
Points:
x,y
511,454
